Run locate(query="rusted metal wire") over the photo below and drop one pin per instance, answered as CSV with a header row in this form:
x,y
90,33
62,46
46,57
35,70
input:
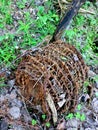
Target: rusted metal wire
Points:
x,y
57,69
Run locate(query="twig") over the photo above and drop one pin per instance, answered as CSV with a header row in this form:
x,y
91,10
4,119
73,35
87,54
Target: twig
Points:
x,y
86,11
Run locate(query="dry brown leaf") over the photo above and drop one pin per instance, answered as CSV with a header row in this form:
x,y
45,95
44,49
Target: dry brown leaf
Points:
x,y
52,107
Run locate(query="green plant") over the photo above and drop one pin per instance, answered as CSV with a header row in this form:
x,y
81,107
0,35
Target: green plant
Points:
x,y
79,107
29,32
5,13
85,86
2,84
80,116
21,4
43,116
83,117
77,115
48,124
82,34
86,83
34,122
46,22
44,25
69,116
95,78
7,50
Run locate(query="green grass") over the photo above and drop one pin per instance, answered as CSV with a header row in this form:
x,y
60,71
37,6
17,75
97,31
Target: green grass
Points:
x,y
2,84
82,34
5,13
30,31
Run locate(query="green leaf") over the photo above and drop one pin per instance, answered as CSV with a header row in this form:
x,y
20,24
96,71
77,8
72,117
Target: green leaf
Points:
x,y
83,117
77,115
96,78
79,107
34,122
69,116
48,124
2,38
70,33
40,10
43,116
86,83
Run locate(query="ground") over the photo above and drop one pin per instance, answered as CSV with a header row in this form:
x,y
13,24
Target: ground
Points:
x,y
17,34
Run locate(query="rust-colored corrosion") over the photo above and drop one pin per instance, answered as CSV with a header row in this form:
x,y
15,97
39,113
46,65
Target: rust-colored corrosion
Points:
x,y
57,69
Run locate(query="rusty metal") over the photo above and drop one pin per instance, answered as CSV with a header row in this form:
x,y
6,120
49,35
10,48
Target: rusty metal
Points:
x,y
57,69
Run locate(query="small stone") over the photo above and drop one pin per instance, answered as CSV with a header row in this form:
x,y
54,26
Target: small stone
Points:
x,y
81,128
38,3
95,105
19,127
73,123
96,85
75,57
13,95
15,112
31,10
88,129
72,128
2,98
26,115
16,102
91,73
3,125
11,83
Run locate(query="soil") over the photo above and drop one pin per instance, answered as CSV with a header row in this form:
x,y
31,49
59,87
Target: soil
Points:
x,y
15,115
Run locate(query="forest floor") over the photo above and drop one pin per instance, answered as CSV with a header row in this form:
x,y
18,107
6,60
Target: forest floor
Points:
x,y
18,33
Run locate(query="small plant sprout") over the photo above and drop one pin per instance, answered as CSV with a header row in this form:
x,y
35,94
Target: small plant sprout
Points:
x,y
83,117
86,83
2,84
70,116
43,116
77,115
95,78
48,124
79,107
34,122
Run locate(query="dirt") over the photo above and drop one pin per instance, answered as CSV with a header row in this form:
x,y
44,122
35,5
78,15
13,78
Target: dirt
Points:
x,y
12,101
